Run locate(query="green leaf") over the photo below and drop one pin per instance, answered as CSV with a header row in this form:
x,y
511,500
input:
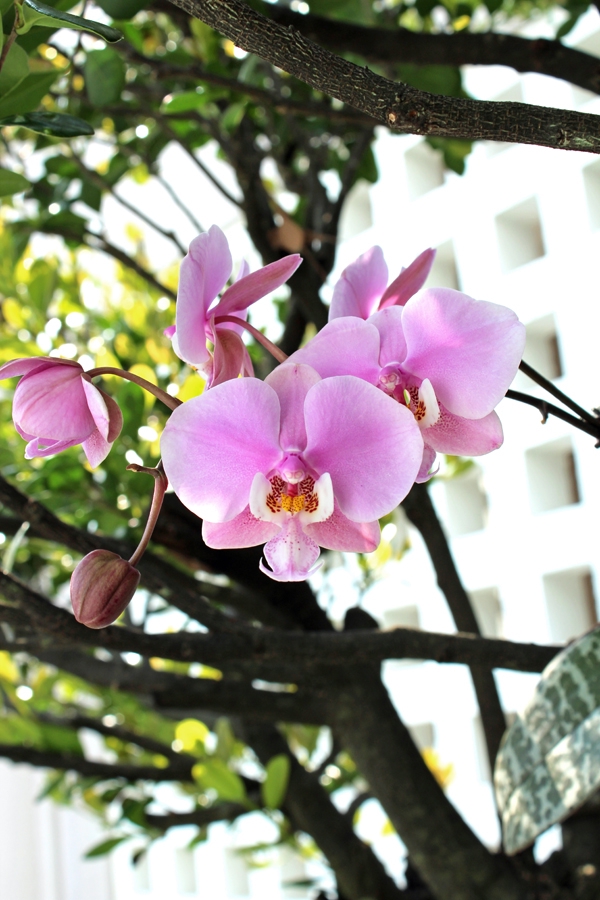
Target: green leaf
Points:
x,y
549,760
135,811
106,846
122,9
182,102
27,94
14,70
274,787
454,152
568,26
12,183
215,774
32,12
53,124
104,76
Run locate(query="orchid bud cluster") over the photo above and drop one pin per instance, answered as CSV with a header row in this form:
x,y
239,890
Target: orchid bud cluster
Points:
x,y
331,441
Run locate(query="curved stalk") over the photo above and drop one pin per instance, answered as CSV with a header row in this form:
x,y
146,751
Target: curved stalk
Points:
x,y
171,402
160,487
279,355
589,427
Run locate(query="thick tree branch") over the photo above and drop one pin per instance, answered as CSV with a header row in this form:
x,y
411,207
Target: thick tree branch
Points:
x,y
445,851
159,576
323,652
399,45
400,107
422,514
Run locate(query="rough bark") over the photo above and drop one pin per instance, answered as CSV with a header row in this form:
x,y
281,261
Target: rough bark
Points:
x,y
449,857
400,107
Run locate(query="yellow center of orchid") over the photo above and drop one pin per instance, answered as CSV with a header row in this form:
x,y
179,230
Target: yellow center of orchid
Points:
x,y
292,498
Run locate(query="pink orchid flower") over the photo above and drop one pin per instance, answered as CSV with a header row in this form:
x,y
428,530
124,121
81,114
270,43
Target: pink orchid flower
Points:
x,y
56,406
446,357
362,288
296,461
204,273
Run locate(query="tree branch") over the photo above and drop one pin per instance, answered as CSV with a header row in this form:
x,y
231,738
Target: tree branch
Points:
x,y
201,816
159,576
437,838
399,46
400,107
421,512
321,652
549,409
69,762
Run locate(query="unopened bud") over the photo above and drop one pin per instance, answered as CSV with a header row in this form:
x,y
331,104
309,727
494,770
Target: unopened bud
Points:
x,y
101,587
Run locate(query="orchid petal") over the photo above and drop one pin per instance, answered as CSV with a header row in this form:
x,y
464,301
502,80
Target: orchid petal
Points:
x,y
33,448
426,470
27,365
96,448
346,346
464,437
243,270
429,401
260,489
228,357
388,323
340,533
361,285
247,290
409,281
96,406
203,273
323,488
469,349
291,383
291,554
213,446
370,445
243,531
51,403
115,418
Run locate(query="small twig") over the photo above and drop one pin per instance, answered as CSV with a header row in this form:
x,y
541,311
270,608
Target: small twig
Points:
x,y
548,409
204,169
8,44
552,389
103,185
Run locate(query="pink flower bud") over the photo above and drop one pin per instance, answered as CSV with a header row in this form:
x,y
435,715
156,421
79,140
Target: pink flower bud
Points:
x,y
101,587
56,406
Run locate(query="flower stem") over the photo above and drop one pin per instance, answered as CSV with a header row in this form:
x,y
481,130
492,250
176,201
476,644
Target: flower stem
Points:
x,y
548,386
160,486
171,402
279,355
547,409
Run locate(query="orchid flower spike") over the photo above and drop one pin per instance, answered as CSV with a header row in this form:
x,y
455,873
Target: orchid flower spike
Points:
x,y
56,406
296,461
446,357
204,273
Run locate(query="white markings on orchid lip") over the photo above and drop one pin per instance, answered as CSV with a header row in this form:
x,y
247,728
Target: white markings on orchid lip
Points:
x,y
276,499
421,400
427,411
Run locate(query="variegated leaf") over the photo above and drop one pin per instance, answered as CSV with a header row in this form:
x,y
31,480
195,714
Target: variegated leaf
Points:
x,y
549,760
